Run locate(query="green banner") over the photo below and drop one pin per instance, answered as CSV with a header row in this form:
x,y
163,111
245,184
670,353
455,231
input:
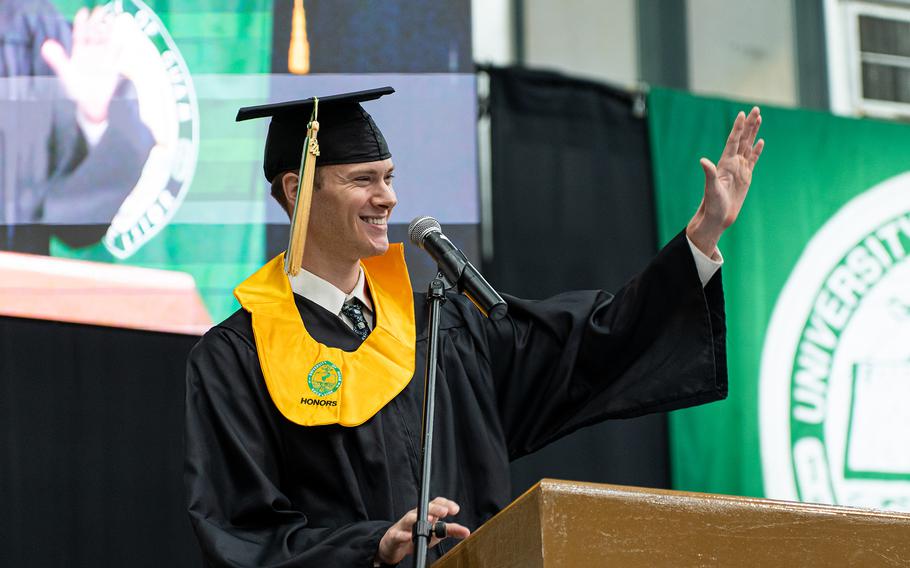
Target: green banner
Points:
x,y
818,305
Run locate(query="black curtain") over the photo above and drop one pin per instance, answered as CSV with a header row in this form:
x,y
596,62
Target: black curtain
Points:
x,y
573,208
91,420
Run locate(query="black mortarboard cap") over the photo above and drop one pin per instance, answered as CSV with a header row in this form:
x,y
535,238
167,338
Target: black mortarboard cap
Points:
x,y
347,133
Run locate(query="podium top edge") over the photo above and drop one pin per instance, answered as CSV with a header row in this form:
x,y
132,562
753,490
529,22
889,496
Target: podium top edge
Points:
x,y
558,487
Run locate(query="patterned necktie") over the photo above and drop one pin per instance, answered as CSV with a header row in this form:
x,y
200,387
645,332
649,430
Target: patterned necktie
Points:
x,y
353,310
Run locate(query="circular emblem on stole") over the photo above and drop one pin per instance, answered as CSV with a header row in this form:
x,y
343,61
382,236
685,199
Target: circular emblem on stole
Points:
x,y
835,373
324,378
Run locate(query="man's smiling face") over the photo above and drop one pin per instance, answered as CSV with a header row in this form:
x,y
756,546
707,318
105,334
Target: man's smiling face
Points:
x,y
350,210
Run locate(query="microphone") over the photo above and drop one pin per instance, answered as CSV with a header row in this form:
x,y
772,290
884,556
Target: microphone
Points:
x,y
426,233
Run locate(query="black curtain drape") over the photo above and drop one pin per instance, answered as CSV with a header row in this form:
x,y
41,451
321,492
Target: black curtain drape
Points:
x,y
91,420
573,208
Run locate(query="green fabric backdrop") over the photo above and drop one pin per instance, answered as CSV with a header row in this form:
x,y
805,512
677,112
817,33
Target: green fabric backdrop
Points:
x,y
813,165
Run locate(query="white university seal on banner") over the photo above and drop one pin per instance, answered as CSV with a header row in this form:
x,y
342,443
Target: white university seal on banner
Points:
x,y
168,107
834,400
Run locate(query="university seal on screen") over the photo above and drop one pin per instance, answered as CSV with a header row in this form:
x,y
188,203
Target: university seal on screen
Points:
x,y
835,372
167,106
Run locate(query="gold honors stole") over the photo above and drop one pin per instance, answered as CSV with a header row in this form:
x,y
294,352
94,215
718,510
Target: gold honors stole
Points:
x,y
313,384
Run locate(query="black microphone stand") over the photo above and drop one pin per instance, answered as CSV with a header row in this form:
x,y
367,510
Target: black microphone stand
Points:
x,y
422,528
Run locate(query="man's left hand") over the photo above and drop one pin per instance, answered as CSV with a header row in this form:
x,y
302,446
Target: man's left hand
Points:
x,y
727,183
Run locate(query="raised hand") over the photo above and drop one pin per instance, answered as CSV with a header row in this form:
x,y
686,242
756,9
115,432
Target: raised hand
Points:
x,y
89,73
727,183
397,542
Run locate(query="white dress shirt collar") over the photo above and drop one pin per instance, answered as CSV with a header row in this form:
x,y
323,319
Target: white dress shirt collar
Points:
x,y
325,294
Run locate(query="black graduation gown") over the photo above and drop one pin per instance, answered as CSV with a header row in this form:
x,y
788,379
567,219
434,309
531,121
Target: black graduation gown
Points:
x,y
264,491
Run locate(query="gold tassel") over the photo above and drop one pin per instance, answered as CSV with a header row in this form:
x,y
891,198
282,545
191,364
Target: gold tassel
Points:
x,y
301,218
299,49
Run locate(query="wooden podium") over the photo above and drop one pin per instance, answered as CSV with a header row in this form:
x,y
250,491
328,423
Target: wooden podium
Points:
x,y
574,524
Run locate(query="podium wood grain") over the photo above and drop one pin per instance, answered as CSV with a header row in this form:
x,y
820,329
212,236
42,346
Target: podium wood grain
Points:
x,y
574,524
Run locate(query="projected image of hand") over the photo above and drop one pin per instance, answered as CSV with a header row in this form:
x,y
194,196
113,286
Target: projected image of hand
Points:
x,y
89,73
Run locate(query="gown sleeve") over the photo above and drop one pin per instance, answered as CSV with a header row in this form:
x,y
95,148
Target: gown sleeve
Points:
x,y
579,358
233,476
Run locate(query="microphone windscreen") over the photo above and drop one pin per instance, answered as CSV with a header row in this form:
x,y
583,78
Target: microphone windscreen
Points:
x,y
420,227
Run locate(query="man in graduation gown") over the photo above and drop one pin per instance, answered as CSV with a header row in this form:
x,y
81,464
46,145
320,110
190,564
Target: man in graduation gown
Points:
x,y
303,420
